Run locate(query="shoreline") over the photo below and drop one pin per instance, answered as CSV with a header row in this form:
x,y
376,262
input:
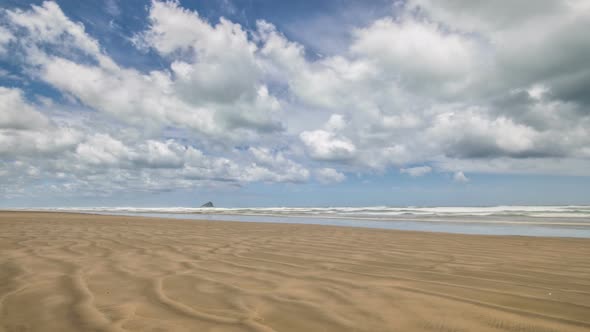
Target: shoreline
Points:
x,y
441,219
179,216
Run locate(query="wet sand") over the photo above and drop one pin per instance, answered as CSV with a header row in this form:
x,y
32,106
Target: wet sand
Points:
x,y
75,272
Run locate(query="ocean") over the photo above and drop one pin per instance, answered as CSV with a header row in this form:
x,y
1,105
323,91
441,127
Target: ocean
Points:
x,y
560,221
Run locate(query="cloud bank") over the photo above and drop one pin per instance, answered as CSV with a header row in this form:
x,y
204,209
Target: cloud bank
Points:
x,y
490,88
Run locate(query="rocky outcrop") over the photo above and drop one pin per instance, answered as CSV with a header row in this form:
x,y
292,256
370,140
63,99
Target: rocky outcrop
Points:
x,y
208,204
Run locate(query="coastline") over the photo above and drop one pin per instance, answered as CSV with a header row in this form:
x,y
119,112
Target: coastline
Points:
x,y
78,272
458,224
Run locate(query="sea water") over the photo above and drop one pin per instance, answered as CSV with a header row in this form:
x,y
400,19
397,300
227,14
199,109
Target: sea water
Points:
x,y
558,221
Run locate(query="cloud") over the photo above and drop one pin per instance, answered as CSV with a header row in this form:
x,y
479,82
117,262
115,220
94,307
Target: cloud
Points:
x,y
62,54
460,177
417,52
278,167
15,113
5,37
329,176
480,16
324,145
213,66
416,171
47,24
24,131
212,87
75,156
516,35
42,143
460,90
281,57
186,162
327,144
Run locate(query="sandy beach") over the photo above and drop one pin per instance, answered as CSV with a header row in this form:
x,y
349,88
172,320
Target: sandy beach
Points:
x,y
75,272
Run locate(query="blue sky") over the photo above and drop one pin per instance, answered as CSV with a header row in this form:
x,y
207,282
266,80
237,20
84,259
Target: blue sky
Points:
x,y
296,103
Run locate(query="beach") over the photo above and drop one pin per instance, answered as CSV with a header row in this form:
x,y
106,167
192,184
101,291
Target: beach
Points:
x,y
84,272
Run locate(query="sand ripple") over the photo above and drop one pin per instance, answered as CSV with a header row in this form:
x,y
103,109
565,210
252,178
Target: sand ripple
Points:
x,y
72,272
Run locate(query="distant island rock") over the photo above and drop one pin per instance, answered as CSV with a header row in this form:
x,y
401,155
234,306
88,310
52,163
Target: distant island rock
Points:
x,y
208,204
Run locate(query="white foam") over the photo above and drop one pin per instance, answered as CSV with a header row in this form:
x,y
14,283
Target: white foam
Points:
x,y
383,212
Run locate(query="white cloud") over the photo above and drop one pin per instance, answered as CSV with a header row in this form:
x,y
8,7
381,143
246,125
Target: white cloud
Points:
x,y
460,177
329,176
15,113
48,24
324,145
430,86
416,171
277,167
472,134
481,16
215,90
335,123
101,149
416,51
282,57
26,131
517,34
214,67
5,37
42,143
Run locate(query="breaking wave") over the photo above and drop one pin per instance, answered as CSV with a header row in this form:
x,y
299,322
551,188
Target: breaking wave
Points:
x,y
372,212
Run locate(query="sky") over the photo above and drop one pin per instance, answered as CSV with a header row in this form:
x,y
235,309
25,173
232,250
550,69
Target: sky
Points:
x,y
294,103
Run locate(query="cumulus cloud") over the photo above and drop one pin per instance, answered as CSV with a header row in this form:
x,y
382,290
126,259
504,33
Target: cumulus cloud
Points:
x,y
459,90
15,113
324,145
277,167
327,144
460,177
213,65
519,32
76,158
211,86
26,131
457,96
417,52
